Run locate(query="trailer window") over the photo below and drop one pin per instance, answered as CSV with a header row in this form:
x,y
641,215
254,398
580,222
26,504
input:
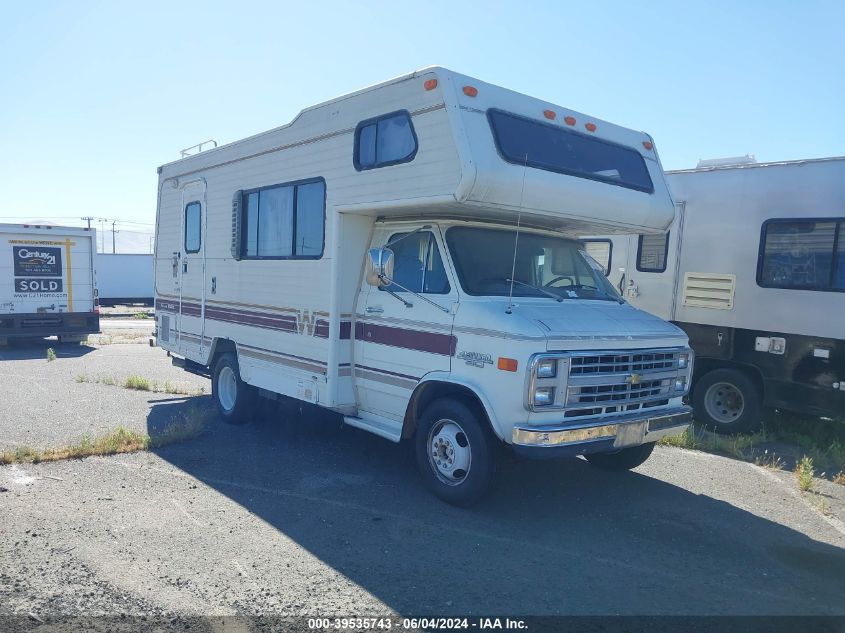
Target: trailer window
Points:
x,y
386,140
652,252
285,221
802,254
524,141
417,264
193,227
600,250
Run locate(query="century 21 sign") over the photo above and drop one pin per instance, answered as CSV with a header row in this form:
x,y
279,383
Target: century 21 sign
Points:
x,y
32,264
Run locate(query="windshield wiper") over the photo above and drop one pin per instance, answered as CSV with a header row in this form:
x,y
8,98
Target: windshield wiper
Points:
x,y
538,289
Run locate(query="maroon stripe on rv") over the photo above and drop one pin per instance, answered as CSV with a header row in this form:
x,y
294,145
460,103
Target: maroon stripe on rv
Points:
x,y
166,306
384,371
431,342
321,329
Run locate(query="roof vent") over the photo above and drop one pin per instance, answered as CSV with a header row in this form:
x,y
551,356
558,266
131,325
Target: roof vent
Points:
x,y
748,159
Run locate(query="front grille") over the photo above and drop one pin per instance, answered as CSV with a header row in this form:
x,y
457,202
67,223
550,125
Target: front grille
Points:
x,y
619,382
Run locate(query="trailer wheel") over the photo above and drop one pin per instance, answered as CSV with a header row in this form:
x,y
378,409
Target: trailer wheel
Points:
x,y
624,459
728,401
456,452
234,398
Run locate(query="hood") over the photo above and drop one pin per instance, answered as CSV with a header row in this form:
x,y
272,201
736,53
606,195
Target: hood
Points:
x,y
563,324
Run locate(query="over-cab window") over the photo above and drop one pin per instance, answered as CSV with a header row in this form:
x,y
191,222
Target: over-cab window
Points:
x,y
193,227
524,141
417,265
386,140
803,254
285,221
651,253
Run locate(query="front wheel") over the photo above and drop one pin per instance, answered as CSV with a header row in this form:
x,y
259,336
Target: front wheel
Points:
x,y
624,459
455,452
728,401
234,398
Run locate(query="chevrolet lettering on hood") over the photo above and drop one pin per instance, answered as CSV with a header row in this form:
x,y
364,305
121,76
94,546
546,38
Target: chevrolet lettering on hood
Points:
x,y
476,359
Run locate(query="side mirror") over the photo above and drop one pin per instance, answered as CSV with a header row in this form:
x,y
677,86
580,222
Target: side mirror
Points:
x,y
379,266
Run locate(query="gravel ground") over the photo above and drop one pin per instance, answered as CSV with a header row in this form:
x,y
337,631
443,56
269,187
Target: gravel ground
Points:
x,y
296,515
42,405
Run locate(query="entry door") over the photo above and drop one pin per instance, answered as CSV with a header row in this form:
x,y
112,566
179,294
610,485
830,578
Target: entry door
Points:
x,y
652,267
192,272
397,344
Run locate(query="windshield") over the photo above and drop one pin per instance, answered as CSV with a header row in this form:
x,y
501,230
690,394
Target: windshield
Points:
x,y
545,264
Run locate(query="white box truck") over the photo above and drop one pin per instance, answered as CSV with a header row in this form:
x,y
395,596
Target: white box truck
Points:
x,y
753,270
124,278
404,256
47,283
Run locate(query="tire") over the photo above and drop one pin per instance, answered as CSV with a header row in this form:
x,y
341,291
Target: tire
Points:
x,y
621,460
235,400
727,401
455,451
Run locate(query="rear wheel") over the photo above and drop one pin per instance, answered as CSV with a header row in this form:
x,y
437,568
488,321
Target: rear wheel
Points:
x,y
234,398
455,452
728,401
625,459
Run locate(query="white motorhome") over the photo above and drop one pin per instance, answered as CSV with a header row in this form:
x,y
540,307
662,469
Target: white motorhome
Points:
x,y
753,270
403,255
47,283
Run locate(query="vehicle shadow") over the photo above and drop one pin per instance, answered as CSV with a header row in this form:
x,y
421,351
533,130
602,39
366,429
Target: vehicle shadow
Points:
x,y
35,348
554,538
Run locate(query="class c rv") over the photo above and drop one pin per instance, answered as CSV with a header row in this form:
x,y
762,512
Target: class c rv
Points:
x,y
753,270
47,285
406,256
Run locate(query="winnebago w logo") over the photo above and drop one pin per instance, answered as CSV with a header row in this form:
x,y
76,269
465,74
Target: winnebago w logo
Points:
x,y
305,322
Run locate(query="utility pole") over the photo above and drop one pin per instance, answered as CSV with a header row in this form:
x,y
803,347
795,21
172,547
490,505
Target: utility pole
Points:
x,y
113,222
88,220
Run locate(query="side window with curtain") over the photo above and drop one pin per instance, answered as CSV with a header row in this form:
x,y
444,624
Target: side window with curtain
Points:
x,y
386,140
802,254
417,264
652,252
193,227
284,221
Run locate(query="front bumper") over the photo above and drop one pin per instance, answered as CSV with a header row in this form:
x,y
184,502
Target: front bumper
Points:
x,y
596,436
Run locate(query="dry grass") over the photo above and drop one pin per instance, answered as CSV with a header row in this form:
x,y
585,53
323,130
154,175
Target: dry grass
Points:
x,y
839,478
183,426
141,383
118,338
699,438
804,474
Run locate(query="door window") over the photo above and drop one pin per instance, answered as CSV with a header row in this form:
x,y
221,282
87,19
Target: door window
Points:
x,y
417,265
193,227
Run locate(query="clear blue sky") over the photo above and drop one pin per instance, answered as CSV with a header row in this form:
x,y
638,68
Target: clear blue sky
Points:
x,y
94,96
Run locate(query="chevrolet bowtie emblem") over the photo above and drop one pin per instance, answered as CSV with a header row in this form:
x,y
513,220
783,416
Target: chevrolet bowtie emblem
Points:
x,y
633,379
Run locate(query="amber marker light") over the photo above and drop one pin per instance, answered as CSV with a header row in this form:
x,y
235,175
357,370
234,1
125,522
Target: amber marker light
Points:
x,y
591,127
507,364
471,91
569,120
550,114
648,144
431,84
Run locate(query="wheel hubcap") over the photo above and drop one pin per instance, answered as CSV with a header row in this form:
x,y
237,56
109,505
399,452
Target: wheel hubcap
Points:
x,y
449,453
724,402
227,388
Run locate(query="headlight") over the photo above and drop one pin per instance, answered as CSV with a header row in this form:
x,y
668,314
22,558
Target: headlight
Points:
x,y
544,396
547,368
683,360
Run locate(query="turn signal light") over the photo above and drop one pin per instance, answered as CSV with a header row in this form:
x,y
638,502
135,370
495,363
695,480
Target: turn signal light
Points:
x,y
507,364
648,144
591,127
431,84
549,114
470,91
569,120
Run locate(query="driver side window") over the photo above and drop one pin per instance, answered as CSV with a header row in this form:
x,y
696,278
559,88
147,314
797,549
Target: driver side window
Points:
x,y
417,265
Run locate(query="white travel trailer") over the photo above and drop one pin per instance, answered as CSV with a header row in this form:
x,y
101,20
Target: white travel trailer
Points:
x,y
753,270
402,256
125,278
47,282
